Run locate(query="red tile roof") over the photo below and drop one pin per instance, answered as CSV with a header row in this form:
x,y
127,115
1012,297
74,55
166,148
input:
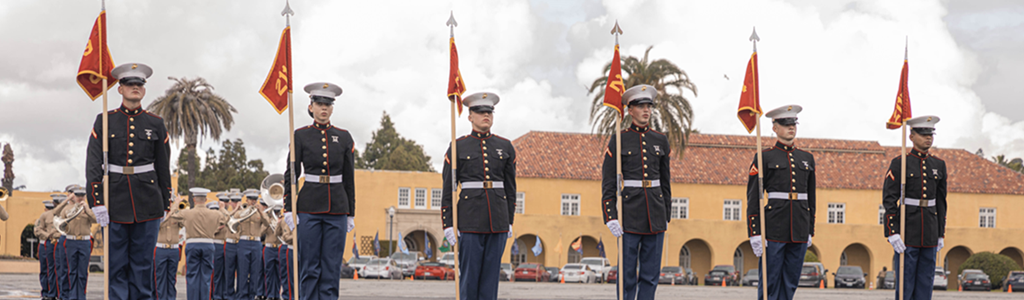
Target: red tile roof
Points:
x,y
725,159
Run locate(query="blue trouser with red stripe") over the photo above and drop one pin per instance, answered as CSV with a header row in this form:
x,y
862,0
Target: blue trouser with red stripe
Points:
x,y
920,272
60,262
218,271
230,266
165,272
284,256
480,264
78,253
199,270
131,259
786,261
643,252
271,278
46,272
321,241
249,265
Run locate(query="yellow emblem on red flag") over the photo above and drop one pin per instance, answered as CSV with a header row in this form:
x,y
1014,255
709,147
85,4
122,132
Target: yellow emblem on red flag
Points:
x,y
455,84
901,112
279,81
96,62
750,100
615,87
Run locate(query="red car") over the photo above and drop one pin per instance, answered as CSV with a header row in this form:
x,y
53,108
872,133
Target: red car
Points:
x,y
532,272
613,274
433,270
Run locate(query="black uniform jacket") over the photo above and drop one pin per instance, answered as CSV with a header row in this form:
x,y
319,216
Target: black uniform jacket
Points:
x,y
789,171
322,149
645,156
137,138
926,179
484,157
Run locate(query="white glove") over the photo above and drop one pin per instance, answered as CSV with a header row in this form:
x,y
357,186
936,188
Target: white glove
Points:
x,y
288,220
755,244
615,228
102,217
351,224
897,243
511,235
809,241
941,244
449,233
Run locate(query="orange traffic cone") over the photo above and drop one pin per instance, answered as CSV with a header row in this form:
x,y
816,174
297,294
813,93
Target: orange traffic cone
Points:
x,y
355,275
959,288
1009,288
723,282
821,284
561,279
413,277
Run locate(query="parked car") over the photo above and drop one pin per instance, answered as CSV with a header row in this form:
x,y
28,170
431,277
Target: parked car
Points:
x,y
1015,279
812,275
751,278
722,272
613,274
672,275
347,271
433,270
967,271
358,263
448,259
976,281
531,272
407,261
850,277
691,277
889,282
381,268
555,274
96,263
506,272
581,273
941,282
600,266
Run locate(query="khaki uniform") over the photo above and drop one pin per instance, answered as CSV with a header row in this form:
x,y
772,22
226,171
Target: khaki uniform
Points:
x,y
201,223
44,229
77,247
81,225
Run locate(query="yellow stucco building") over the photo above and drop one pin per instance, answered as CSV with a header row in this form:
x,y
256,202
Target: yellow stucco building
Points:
x,y
559,201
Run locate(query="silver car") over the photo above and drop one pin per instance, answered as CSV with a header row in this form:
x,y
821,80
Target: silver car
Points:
x,y
941,281
381,268
358,263
407,262
578,273
448,259
600,266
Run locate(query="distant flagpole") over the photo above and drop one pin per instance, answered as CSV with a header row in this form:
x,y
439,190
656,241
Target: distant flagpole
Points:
x,y
749,113
901,113
615,85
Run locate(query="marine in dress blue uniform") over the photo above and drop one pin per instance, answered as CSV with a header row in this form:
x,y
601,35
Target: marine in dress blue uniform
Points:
x,y
45,233
925,196
646,194
789,180
140,184
486,171
327,200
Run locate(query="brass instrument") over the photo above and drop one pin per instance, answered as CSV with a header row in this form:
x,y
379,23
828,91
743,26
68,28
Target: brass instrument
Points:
x,y
247,212
182,205
4,194
61,224
272,191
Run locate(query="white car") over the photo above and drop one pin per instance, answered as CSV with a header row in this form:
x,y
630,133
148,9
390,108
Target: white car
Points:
x,y
381,268
600,266
448,259
358,263
579,273
941,281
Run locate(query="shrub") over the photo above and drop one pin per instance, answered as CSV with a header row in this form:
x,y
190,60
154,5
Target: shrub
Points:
x,y
996,266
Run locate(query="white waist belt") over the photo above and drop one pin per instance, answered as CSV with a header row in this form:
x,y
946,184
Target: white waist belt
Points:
x,y
166,246
641,183
787,196
249,238
218,241
270,245
919,202
323,178
77,238
231,241
483,185
199,240
129,170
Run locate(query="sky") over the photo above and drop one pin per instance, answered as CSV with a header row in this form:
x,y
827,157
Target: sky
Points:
x,y
840,60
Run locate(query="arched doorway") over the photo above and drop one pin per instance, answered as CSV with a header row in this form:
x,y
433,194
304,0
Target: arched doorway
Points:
x,y
813,250
955,257
588,248
527,242
419,241
856,254
696,254
746,259
1014,254
518,253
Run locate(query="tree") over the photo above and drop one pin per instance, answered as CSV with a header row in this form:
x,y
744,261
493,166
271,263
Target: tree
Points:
x,y
1016,164
388,150
996,266
228,169
192,111
671,114
8,159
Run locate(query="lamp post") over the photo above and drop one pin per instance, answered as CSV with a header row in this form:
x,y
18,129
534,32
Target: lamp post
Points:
x,y
391,229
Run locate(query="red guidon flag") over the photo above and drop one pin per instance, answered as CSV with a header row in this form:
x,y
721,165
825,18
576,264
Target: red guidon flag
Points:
x,y
96,62
455,84
279,81
615,87
902,111
750,100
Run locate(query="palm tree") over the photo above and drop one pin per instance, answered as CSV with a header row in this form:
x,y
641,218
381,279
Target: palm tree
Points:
x,y
1016,164
672,114
192,111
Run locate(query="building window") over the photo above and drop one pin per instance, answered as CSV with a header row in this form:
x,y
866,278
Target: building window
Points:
x,y
435,198
987,217
836,213
570,204
680,208
731,210
421,198
403,197
881,214
520,203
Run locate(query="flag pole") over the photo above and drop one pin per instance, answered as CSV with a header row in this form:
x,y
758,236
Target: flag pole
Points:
x,y
106,164
616,31
903,208
760,183
454,180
